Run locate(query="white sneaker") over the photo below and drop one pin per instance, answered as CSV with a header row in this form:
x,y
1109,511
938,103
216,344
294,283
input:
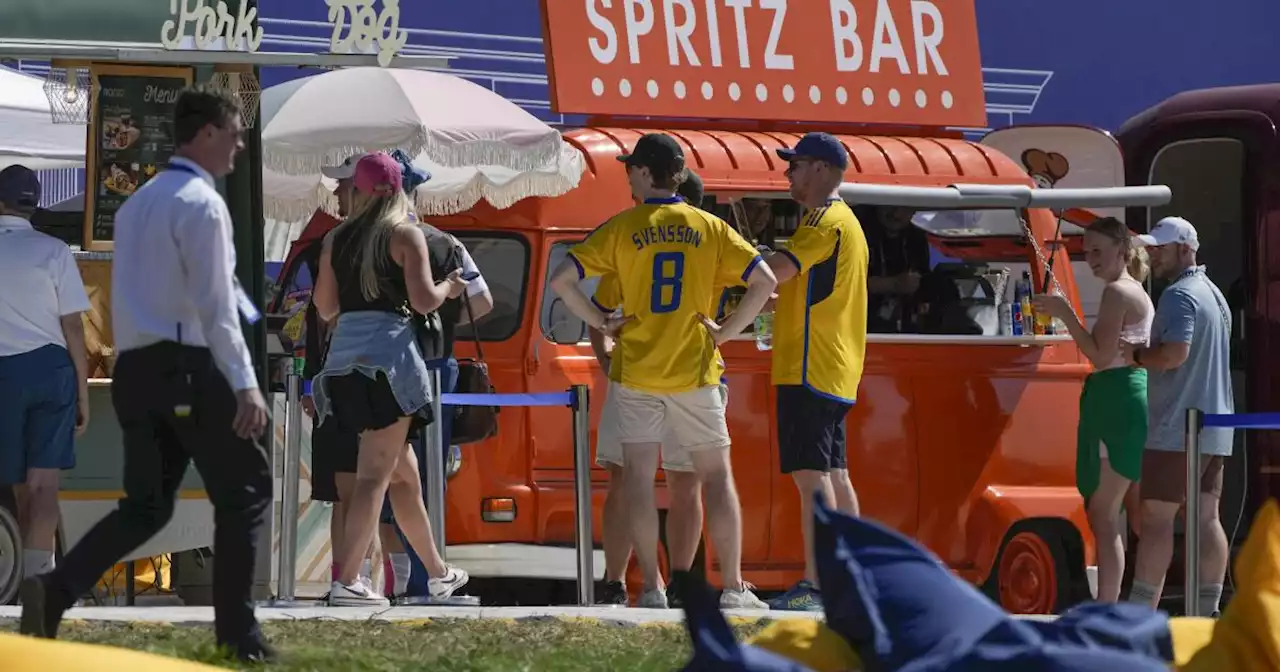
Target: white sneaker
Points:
x,y
742,598
357,594
655,598
444,587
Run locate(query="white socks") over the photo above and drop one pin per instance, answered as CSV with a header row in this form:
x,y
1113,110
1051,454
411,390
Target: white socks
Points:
x,y
36,562
400,569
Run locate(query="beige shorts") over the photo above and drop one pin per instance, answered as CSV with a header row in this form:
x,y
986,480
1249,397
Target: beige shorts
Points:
x,y
682,423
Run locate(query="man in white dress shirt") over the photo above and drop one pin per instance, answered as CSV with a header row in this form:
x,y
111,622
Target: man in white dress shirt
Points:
x,y
185,389
44,392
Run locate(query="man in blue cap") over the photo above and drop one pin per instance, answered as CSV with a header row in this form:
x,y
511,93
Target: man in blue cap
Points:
x,y
44,389
819,340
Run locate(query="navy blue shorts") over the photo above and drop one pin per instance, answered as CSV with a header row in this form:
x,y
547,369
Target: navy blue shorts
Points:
x,y
37,412
811,431
448,382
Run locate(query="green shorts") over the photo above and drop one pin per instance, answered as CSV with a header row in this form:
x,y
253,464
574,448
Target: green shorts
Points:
x,y
1113,411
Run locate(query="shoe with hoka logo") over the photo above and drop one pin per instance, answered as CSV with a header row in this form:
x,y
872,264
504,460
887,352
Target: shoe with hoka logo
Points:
x,y
802,597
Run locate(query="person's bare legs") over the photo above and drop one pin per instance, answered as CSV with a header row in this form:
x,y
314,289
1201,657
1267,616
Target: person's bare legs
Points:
x,y
615,534
345,484
846,498
380,450
684,518
642,513
1103,509
38,504
1155,551
808,483
1215,554
724,512
411,513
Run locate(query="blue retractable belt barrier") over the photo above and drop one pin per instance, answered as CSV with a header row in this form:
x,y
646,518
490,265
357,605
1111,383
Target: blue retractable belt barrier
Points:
x,y
1243,420
542,399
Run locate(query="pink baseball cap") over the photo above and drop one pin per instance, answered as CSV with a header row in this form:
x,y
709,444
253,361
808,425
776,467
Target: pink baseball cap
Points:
x,y
378,174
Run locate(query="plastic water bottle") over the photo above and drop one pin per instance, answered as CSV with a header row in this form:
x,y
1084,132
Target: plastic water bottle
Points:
x,y
764,331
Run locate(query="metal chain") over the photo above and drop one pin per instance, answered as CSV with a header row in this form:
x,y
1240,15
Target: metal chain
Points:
x,y
1044,261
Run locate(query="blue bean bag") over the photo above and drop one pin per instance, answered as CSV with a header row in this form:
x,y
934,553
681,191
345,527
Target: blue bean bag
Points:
x,y
902,610
715,648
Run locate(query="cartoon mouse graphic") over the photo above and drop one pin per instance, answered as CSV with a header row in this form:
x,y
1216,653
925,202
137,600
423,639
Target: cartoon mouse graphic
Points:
x,y
1045,168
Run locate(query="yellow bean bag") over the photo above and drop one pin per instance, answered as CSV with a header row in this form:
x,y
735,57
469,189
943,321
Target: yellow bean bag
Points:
x,y
810,643
1247,636
28,654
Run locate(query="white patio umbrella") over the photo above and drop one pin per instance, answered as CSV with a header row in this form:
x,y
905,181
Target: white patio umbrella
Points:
x,y
27,133
293,197
452,121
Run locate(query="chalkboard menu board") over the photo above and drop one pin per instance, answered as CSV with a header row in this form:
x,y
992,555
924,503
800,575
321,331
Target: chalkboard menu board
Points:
x,y
130,139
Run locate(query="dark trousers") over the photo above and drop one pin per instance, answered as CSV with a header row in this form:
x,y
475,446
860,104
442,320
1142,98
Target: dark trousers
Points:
x,y
158,445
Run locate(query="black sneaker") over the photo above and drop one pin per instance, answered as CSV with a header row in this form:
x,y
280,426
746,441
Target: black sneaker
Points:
x,y
41,608
673,598
613,593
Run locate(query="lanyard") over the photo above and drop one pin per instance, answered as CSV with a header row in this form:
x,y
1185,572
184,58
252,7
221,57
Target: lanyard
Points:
x,y
1199,271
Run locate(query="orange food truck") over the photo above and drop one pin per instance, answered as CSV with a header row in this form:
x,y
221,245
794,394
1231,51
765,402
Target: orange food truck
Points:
x,y
964,439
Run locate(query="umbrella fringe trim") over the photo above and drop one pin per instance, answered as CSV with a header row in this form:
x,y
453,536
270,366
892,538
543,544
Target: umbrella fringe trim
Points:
x,y
447,153
301,209
536,185
427,204
310,164
454,154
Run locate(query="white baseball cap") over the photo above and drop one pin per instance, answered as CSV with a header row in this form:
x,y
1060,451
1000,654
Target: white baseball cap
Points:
x,y
345,170
1171,230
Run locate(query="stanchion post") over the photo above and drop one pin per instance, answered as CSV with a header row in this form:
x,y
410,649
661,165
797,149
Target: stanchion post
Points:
x,y
583,539
433,452
1191,521
289,488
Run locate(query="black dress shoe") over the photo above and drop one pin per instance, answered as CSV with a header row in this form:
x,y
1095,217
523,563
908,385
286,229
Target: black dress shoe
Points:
x,y
252,650
42,607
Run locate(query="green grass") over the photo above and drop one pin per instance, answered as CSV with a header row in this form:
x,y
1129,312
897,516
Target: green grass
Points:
x,y
440,645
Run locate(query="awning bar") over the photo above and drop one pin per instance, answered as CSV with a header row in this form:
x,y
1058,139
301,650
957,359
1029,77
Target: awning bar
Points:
x,y
1004,196
141,52
1114,197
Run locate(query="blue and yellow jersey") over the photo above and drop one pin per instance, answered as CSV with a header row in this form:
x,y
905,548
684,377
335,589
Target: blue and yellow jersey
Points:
x,y
671,262
608,296
820,318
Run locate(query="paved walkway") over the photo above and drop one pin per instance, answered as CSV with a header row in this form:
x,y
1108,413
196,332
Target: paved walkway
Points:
x,y
309,612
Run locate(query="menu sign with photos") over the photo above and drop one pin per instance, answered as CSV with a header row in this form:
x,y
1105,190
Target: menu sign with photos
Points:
x,y
130,139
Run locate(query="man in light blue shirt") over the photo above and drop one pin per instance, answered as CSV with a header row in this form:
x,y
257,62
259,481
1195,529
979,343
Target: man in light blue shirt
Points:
x,y
1188,361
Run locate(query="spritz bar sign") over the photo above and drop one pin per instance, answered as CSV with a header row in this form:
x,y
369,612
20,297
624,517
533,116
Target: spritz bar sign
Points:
x,y
359,26
865,61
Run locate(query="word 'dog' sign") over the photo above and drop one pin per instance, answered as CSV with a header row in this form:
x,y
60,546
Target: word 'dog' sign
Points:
x,y
866,61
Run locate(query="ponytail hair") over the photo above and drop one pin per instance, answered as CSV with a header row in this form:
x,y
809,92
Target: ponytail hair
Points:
x,y
1135,256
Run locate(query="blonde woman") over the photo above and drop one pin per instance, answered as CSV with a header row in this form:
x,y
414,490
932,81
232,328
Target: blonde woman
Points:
x,y
1112,432
375,270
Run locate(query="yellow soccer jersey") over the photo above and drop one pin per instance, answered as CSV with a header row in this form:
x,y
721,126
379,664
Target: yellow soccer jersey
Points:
x,y
671,261
820,319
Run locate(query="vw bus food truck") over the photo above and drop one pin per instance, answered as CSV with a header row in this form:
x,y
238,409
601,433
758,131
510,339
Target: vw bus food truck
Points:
x,y
965,441
962,437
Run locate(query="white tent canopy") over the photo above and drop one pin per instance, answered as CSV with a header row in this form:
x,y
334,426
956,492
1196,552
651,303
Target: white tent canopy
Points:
x,y
27,133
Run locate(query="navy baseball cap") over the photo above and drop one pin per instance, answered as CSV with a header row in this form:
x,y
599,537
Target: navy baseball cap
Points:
x,y
691,189
653,150
820,146
19,186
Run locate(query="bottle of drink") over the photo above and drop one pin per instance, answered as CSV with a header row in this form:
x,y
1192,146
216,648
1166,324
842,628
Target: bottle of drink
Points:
x,y
764,331
1024,299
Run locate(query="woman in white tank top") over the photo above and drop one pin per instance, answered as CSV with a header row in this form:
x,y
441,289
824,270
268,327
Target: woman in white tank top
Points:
x,y
1112,431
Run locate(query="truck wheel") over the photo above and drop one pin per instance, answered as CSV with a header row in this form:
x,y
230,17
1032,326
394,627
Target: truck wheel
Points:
x,y
10,557
1032,573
